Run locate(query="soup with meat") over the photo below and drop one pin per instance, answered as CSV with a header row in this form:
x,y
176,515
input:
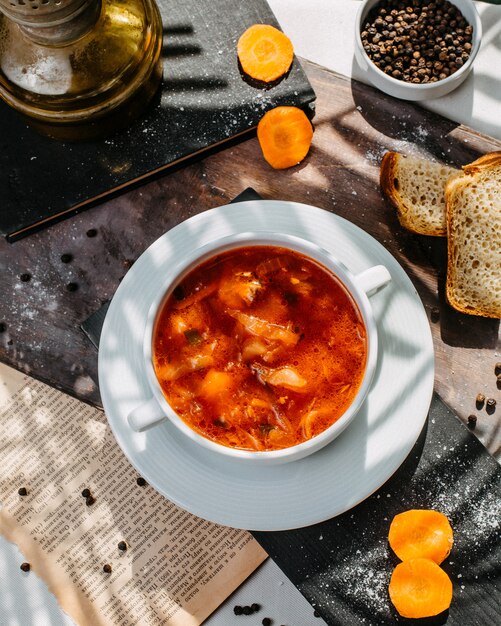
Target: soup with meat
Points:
x,y
259,348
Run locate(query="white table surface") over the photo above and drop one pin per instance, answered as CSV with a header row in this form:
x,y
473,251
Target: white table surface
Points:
x,y
322,31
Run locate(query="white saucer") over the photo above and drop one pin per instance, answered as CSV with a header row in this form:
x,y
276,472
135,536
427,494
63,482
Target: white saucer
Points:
x,y
299,493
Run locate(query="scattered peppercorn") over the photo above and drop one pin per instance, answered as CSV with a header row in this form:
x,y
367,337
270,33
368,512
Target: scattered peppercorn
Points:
x,y
22,491
435,314
85,493
122,546
422,41
107,568
497,368
66,257
498,380
238,610
92,232
472,421
255,607
25,567
246,610
3,327
89,501
316,614
72,286
480,399
25,277
140,481
266,621
491,405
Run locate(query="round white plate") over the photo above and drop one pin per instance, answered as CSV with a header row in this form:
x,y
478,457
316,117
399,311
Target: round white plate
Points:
x,y
299,493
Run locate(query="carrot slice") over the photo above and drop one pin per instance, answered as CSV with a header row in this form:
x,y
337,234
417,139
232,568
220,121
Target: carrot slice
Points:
x,y
420,588
264,52
421,533
285,135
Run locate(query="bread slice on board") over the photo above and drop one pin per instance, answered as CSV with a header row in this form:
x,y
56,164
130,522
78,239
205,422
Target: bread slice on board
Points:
x,y
474,238
416,188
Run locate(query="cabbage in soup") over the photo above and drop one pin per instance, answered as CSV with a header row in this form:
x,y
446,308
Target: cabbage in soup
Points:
x,y
259,348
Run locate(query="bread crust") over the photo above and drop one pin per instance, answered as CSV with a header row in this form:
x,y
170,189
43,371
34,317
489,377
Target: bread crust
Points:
x,y
452,189
487,161
387,177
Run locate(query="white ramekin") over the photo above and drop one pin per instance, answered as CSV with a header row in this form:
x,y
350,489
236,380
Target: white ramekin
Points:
x,y
411,91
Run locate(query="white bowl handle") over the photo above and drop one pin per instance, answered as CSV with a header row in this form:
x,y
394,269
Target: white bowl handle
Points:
x,y
146,415
373,279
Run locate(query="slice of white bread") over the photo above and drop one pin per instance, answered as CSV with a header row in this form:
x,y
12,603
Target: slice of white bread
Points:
x,y
416,187
474,238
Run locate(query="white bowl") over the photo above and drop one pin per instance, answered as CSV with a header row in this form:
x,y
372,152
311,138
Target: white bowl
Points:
x,y
412,91
157,409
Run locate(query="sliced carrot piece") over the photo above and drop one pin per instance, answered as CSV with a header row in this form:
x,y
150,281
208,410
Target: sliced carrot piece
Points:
x,y
421,533
420,588
285,135
265,53
216,385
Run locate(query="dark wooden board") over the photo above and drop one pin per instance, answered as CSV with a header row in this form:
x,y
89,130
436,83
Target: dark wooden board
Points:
x,y
203,102
354,125
343,566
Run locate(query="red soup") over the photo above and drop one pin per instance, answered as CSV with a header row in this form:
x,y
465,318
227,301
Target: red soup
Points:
x,y
260,348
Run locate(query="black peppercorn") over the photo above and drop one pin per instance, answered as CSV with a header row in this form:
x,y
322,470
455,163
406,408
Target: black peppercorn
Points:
x,y
89,501
255,607
479,400
3,327
427,35
72,286
140,481
25,567
490,405
497,368
316,613
22,491
66,257
238,610
122,546
85,493
92,232
25,277
107,568
246,610
472,421
266,621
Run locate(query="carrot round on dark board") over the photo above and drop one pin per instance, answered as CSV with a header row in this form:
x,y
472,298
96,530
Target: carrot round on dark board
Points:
x,y
421,533
420,588
265,53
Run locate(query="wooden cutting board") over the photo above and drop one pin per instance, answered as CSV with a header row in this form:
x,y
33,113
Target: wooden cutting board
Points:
x,y
354,125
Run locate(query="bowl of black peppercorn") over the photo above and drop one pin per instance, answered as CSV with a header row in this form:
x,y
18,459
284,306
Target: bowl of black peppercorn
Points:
x,y
417,49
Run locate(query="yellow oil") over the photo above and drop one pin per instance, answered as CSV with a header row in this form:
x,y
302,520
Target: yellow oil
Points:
x,y
90,85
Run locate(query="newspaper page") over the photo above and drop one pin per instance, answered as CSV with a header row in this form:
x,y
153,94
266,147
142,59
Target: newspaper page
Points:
x,y
175,569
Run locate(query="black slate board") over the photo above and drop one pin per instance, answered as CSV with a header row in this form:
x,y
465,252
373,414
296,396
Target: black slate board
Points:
x,y
343,566
204,102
